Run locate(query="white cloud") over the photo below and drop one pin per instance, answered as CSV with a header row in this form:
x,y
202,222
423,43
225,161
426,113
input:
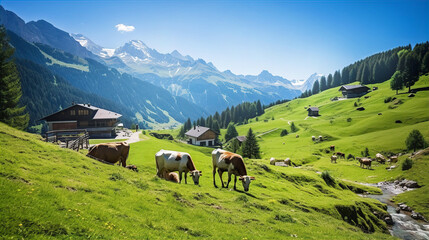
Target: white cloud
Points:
x,y
124,28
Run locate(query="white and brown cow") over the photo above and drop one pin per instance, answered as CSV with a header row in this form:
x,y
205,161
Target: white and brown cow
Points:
x,y
170,161
233,164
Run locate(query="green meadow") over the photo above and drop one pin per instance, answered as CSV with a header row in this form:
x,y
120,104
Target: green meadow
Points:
x,y
53,193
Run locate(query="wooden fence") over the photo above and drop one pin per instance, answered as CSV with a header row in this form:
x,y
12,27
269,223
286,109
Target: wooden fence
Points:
x,y
73,138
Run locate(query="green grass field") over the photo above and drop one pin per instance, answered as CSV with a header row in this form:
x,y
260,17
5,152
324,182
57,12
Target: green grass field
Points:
x,y
53,193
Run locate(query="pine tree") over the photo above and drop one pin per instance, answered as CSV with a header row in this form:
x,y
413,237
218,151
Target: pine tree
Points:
x,y
231,132
188,125
10,87
415,140
316,87
293,128
337,79
250,146
181,132
425,63
323,85
411,71
345,76
259,108
365,78
329,81
216,127
397,82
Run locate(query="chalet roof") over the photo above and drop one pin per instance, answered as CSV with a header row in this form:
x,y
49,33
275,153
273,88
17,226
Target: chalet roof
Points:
x,y
99,112
353,87
241,138
197,131
314,109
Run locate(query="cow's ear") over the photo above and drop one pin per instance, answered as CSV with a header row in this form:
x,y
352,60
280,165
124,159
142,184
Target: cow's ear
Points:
x,y
252,178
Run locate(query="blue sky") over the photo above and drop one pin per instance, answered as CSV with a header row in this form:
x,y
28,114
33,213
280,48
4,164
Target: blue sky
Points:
x,y
292,39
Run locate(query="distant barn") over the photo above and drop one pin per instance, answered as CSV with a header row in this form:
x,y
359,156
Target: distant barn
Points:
x,y
353,91
313,111
201,136
96,121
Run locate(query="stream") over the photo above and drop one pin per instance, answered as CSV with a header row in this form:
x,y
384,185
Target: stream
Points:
x,y
404,226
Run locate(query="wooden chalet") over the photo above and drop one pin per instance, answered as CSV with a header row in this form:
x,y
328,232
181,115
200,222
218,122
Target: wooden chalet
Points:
x,y
201,136
313,111
96,121
353,91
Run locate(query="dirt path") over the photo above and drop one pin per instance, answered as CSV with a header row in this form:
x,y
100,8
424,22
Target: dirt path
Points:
x,y
262,134
135,137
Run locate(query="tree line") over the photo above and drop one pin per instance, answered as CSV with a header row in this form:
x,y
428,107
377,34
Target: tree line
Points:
x,y
238,114
378,68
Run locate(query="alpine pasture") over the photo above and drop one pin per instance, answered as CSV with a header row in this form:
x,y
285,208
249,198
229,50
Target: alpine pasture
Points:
x,y
53,193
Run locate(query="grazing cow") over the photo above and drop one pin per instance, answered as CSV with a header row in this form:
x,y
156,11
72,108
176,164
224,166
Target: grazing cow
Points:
x,y
380,158
171,161
393,159
272,161
313,138
132,167
365,162
332,148
334,158
171,176
341,155
320,138
233,164
111,152
288,162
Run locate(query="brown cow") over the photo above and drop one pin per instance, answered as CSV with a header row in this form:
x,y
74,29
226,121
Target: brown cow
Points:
x,y
365,162
233,164
341,155
332,148
111,152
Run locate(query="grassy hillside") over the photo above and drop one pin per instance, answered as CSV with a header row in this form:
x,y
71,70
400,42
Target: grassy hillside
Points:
x,y
48,192
351,131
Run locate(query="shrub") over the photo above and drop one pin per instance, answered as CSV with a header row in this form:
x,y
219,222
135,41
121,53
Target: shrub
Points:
x,y
272,118
284,133
407,164
328,178
293,128
349,119
355,104
388,99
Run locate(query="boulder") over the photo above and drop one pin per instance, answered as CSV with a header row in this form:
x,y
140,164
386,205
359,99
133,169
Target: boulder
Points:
x,y
273,161
388,220
380,113
360,108
404,207
417,216
411,184
398,210
398,121
411,95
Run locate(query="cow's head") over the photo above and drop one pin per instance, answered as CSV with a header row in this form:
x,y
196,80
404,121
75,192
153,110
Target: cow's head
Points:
x,y
246,181
195,176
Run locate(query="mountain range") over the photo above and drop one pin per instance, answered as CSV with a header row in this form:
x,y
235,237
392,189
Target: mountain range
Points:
x,y
135,75
196,80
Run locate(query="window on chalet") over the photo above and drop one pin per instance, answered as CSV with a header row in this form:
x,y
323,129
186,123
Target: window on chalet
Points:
x,y
82,112
72,112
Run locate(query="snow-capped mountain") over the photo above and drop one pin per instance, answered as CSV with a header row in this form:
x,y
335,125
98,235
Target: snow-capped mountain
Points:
x,y
196,80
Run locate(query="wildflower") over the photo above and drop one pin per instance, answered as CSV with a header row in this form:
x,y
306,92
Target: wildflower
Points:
x,y
20,224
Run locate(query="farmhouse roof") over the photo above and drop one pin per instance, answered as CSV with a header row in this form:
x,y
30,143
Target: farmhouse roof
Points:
x,y
352,87
241,138
197,131
99,112
314,109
